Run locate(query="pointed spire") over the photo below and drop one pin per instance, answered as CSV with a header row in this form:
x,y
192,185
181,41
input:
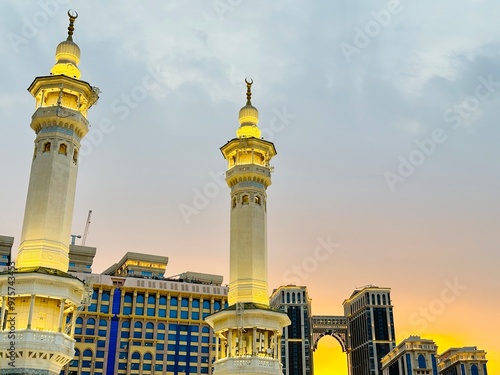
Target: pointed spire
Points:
x,y
68,52
71,26
249,116
249,90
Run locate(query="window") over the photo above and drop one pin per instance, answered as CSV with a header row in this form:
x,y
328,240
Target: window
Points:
x,y
46,147
421,361
245,199
63,149
233,202
258,200
75,156
90,327
137,330
136,355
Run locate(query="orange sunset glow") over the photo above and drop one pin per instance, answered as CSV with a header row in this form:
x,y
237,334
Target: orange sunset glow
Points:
x,y
361,138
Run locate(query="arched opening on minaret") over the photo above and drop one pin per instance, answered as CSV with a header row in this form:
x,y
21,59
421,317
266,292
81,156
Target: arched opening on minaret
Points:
x,y
245,199
63,149
46,147
328,358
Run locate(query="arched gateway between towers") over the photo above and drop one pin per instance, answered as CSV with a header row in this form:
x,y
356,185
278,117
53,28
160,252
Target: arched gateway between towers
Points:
x,y
335,326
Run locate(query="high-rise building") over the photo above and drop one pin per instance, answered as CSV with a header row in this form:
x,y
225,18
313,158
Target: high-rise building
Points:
x,y
370,329
136,321
296,346
6,244
413,355
39,297
468,360
248,332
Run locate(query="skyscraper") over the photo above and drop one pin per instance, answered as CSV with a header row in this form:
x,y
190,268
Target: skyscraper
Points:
x,y
296,345
40,297
248,332
370,329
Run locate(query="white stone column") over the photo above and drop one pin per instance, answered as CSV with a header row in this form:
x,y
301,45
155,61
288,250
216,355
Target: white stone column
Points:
x,y
73,322
229,342
279,351
254,344
30,313
217,348
2,312
61,314
276,348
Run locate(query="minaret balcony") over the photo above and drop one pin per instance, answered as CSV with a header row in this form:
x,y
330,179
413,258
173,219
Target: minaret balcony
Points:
x,y
35,349
60,116
247,365
248,172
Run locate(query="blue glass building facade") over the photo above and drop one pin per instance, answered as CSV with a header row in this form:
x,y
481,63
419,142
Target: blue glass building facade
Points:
x,y
145,326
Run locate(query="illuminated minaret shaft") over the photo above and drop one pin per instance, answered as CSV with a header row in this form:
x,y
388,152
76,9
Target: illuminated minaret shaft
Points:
x,y
248,176
39,300
60,122
248,333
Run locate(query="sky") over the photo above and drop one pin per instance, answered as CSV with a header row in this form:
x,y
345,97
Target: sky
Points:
x,y
384,115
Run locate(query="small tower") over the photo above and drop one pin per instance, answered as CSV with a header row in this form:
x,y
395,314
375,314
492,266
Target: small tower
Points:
x,y
39,299
248,332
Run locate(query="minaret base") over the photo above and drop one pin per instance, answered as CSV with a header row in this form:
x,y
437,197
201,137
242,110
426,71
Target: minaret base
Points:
x,y
248,339
38,310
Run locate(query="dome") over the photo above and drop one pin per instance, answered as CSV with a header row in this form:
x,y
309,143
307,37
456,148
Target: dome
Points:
x,y
248,117
68,52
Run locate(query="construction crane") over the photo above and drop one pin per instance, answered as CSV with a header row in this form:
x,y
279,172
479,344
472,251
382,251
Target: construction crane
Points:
x,y
84,238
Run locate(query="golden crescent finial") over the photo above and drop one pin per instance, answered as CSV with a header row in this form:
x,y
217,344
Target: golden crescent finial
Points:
x,y
249,82
70,15
72,18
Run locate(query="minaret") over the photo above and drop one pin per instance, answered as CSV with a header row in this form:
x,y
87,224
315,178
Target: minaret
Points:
x,y
60,122
40,299
248,332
